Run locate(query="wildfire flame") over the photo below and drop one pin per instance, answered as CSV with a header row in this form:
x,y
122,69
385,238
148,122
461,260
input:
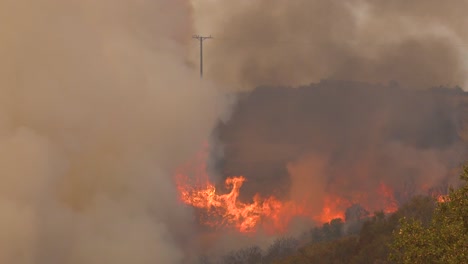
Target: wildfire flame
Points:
x,y
333,207
390,204
439,195
225,209
443,198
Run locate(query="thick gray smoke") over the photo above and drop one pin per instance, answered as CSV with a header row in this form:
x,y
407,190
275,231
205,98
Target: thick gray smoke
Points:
x,y
342,139
274,42
370,133
346,139
97,107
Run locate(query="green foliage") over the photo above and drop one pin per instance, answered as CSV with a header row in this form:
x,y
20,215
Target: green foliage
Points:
x,y
280,249
444,240
250,255
373,239
420,207
421,231
337,251
331,244
329,231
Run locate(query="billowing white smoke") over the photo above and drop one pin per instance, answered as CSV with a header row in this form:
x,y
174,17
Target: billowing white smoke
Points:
x,y
97,107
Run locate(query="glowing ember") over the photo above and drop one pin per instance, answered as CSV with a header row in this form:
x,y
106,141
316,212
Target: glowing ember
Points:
x,y
333,208
439,195
442,198
390,204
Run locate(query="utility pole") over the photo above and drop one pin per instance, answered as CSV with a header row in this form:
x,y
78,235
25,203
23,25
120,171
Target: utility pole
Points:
x,y
201,39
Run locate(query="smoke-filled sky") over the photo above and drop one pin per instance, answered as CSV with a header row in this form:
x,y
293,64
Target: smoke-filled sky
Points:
x,y
97,107
100,101
339,138
273,42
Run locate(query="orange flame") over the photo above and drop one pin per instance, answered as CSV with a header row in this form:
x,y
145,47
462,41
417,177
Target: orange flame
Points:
x,y
442,198
439,195
227,210
224,209
333,207
390,204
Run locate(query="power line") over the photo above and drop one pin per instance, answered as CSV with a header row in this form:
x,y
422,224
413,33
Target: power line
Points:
x,y
311,41
201,39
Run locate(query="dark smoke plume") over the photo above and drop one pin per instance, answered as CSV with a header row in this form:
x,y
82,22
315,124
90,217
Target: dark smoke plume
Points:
x,y
274,42
340,137
345,138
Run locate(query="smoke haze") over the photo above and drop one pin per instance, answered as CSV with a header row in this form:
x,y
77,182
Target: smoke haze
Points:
x,y
346,140
97,107
99,103
263,42
342,138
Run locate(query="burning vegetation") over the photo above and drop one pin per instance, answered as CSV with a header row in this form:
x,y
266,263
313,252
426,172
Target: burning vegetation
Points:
x,y
320,189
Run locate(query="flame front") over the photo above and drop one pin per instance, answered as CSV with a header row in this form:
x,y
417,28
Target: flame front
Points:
x,y
389,202
224,208
333,207
227,210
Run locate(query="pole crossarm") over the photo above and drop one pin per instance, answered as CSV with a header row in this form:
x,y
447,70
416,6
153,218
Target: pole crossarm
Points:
x,y
202,37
